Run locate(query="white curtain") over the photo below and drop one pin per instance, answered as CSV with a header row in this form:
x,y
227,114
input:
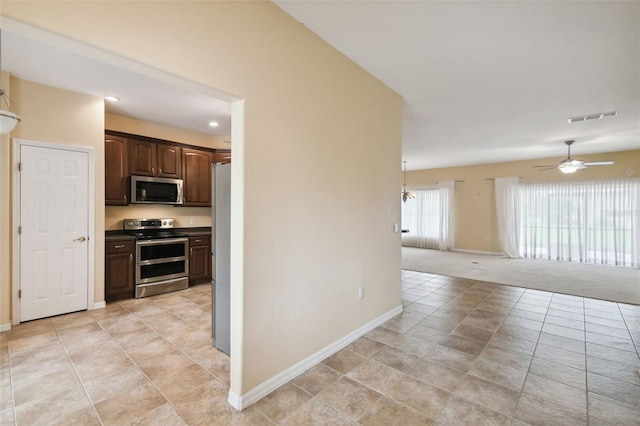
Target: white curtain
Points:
x,y
420,216
447,228
507,212
429,218
582,221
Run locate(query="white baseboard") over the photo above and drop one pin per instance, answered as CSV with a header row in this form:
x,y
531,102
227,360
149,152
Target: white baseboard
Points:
x,y
240,402
98,305
492,253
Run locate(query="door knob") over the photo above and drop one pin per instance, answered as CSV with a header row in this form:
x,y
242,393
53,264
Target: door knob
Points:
x,y
81,239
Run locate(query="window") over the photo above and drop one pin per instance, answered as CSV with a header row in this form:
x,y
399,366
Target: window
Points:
x,y
421,217
429,218
581,221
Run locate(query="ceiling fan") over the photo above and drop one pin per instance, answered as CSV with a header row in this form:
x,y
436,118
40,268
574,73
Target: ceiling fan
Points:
x,y
569,165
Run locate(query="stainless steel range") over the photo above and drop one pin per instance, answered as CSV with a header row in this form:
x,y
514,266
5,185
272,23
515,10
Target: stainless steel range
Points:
x,y
162,256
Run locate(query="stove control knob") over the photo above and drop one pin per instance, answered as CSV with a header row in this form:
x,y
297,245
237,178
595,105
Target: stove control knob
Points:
x,y
170,222
164,222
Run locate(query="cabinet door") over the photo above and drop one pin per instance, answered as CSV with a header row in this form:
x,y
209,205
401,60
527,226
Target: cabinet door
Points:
x,y
199,259
143,158
116,176
222,157
119,270
196,176
169,161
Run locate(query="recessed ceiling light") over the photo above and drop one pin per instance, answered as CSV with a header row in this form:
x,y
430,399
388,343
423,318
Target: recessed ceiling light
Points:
x,y
592,116
213,124
112,98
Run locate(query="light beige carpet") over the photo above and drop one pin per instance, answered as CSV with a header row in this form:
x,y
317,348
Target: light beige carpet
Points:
x,y
599,282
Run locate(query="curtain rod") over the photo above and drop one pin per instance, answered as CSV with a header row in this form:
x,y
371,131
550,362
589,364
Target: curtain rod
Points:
x,y
519,177
456,181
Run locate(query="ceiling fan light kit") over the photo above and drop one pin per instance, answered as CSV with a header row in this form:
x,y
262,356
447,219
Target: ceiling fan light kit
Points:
x,y
569,165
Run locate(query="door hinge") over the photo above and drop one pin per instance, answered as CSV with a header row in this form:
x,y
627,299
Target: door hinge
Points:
x,y
19,230
19,293
19,166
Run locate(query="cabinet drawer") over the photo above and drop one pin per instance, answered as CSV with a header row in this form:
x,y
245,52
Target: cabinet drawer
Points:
x,y
199,241
124,246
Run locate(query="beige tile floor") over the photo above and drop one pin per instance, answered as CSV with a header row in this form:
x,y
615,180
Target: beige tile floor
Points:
x,y
462,353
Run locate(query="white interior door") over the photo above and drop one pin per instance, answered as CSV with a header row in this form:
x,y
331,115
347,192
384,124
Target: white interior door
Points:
x,y
54,211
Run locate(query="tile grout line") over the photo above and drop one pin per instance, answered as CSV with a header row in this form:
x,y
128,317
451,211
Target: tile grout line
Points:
x,y
171,343
136,364
635,344
511,416
11,386
452,394
515,409
84,389
586,360
119,346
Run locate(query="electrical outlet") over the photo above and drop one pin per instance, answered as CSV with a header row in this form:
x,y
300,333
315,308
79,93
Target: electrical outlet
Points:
x,y
361,293
192,221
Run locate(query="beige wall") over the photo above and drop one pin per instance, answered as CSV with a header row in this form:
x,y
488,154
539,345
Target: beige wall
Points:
x,y
475,197
184,216
316,169
153,130
63,117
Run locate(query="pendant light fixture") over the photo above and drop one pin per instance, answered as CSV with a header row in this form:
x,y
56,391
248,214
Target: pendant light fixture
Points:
x,y
8,119
405,194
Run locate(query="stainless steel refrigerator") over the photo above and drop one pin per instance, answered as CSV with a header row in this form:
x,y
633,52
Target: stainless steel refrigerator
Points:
x,y
221,233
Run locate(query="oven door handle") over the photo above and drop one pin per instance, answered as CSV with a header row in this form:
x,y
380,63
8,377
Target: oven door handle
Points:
x,y
162,241
162,260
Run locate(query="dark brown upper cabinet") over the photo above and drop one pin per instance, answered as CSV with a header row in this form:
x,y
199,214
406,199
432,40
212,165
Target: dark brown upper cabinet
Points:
x,y
116,176
155,159
196,176
222,157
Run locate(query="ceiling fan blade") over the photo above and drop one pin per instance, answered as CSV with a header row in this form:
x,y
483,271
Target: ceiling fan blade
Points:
x,y
546,168
599,163
551,167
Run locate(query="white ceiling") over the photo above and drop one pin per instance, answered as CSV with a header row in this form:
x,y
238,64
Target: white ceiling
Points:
x,y
171,102
482,81
485,81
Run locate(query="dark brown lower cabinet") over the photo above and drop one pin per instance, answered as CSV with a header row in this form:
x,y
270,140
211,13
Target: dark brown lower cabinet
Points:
x,y
119,269
199,259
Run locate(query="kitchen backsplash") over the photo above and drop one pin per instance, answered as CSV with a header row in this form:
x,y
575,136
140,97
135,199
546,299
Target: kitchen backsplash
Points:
x,y
185,217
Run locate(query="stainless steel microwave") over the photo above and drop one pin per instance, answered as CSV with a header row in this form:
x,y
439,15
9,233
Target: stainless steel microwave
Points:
x,y
155,190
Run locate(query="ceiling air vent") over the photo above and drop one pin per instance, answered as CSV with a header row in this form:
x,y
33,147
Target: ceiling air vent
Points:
x,y
592,116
